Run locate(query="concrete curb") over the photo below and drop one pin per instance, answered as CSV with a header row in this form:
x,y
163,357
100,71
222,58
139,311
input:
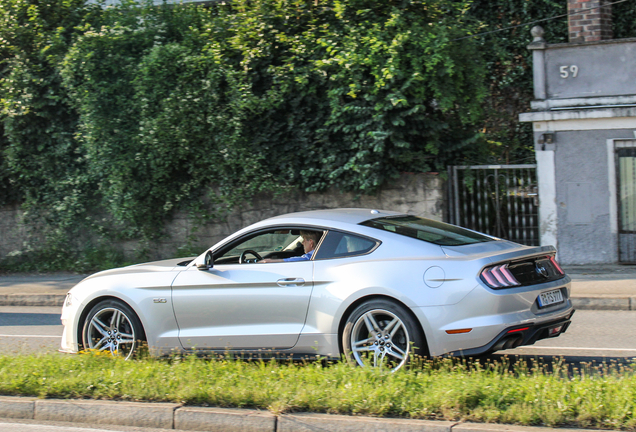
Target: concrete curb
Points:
x,y
223,419
178,417
153,415
580,303
328,422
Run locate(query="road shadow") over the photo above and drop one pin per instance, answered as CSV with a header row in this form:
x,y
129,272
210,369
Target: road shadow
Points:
x,y
561,363
29,319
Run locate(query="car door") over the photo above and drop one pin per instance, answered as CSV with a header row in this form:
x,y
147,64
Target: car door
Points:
x,y
243,306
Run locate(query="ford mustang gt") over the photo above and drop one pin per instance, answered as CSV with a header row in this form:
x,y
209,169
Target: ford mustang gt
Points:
x,y
376,287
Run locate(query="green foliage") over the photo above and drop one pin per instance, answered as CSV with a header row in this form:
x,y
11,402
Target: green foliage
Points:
x,y
135,83
42,165
402,96
114,118
57,257
624,19
41,160
509,77
600,396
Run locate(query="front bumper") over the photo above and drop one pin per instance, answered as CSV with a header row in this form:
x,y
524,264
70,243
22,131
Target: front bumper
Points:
x,y
513,337
69,342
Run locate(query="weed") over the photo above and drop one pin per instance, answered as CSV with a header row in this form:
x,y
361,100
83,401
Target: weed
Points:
x,y
597,396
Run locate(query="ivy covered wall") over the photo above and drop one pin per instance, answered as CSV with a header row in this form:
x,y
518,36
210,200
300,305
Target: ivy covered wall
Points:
x,y
423,194
114,119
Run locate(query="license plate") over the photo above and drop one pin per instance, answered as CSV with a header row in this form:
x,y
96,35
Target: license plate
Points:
x,y
549,298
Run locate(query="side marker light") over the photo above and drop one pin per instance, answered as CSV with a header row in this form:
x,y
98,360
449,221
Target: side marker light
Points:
x,y
518,330
459,331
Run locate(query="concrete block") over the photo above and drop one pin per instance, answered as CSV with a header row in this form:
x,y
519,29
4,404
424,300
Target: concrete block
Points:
x,y
17,407
488,427
151,415
601,303
341,423
223,420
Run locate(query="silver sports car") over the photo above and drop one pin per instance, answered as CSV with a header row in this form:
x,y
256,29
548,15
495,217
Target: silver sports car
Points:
x,y
374,286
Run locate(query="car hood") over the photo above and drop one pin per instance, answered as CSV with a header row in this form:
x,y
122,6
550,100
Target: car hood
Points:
x,y
149,267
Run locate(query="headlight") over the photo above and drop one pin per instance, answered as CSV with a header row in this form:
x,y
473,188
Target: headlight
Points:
x,y
69,300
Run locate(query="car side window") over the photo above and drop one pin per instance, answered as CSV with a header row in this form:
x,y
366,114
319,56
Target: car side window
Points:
x,y
340,245
265,244
279,243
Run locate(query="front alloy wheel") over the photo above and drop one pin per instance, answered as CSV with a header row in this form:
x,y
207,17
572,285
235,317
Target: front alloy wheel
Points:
x,y
380,333
113,327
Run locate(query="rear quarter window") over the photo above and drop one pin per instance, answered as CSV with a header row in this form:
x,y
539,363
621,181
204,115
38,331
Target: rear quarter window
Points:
x,y
428,230
340,245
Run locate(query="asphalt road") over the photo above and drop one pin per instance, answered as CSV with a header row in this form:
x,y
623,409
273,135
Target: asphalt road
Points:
x,y
593,335
27,330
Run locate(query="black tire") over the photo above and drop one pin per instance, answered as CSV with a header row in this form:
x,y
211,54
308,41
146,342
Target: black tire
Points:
x,y
382,333
111,325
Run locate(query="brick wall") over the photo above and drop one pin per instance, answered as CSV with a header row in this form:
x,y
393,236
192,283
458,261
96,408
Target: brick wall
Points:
x,y
589,21
418,194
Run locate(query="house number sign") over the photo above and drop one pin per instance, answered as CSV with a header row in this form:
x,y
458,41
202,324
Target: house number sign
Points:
x,y
570,71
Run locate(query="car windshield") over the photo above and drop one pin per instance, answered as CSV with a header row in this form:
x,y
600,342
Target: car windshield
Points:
x,y
428,230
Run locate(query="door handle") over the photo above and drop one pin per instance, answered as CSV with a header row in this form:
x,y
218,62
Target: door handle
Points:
x,y
291,282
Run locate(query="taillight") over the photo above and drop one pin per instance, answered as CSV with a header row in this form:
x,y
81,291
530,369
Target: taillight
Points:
x,y
556,265
499,276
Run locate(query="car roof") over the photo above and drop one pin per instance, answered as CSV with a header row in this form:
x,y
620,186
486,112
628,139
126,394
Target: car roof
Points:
x,y
352,216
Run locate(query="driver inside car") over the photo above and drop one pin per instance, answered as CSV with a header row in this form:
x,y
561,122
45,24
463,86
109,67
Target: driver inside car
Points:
x,y
310,240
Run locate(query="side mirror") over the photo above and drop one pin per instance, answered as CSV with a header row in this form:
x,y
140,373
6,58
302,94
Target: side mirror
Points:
x,y
208,262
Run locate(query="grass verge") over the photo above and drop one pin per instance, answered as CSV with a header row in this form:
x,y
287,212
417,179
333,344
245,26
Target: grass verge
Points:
x,y
602,396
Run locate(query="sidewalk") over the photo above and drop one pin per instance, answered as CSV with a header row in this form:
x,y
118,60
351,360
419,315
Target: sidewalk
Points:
x,y
598,287
36,290
603,287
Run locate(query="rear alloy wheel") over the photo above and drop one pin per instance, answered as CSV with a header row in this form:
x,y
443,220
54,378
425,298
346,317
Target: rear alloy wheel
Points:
x,y
381,333
112,326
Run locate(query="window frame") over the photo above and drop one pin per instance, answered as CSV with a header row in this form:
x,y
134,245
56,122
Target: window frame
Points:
x,y
226,247
355,254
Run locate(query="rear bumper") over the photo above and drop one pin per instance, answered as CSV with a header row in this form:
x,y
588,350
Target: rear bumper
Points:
x,y
515,336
